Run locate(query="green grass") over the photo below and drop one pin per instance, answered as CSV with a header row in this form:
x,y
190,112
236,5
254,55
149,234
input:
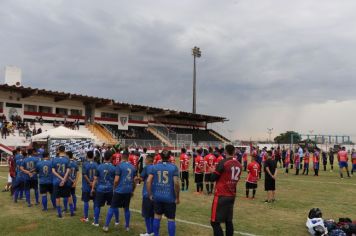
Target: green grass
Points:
x,y
296,196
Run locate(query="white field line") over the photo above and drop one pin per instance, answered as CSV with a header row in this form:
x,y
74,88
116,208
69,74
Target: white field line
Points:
x,y
183,221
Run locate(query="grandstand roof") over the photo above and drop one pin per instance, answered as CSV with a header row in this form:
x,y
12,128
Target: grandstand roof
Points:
x,y
101,102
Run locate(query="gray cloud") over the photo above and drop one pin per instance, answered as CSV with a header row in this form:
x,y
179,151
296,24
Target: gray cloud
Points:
x,y
258,56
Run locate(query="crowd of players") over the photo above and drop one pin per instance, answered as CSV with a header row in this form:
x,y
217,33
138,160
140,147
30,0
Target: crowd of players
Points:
x,y
112,180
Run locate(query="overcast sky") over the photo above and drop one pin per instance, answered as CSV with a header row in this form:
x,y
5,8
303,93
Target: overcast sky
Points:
x,y
287,65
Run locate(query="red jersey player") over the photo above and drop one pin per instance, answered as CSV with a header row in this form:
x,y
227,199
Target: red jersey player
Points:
x,y
253,170
157,158
116,158
209,168
226,175
244,159
199,171
184,169
342,157
133,159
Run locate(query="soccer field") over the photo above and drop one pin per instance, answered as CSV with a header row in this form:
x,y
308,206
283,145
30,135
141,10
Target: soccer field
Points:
x,y
296,195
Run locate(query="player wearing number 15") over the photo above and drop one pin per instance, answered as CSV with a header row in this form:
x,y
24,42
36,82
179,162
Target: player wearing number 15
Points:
x,y
60,170
163,188
226,175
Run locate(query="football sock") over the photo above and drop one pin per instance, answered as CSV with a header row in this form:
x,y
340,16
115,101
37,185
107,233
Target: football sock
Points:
x,y
247,192
156,226
53,199
59,211
44,202
116,214
211,187
21,193
16,195
36,196
197,187
182,185
217,229
148,225
171,228
96,215
74,201
201,187
253,192
229,228
207,188
109,216
348,173
65,203
341,175
27,194
187,184
86,209
307,171
71,209
127,217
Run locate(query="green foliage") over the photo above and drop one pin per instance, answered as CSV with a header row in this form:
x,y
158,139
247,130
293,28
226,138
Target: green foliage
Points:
x,y
287,137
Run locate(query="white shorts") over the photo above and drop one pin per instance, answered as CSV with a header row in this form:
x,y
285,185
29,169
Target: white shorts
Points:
x,y
9,179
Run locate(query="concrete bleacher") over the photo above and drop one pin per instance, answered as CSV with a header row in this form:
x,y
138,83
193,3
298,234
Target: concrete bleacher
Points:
x,y
14,140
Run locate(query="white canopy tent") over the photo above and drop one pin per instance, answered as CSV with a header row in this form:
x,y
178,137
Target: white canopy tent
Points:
x,y
59,133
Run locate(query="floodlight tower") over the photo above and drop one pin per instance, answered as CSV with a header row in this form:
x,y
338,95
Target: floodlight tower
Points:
x,y
269,131
196,53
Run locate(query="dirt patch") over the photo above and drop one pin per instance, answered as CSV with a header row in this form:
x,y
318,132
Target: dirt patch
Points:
x,y
26,228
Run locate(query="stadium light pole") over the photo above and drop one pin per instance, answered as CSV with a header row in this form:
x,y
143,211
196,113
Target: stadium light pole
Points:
x,y
196,53
269,131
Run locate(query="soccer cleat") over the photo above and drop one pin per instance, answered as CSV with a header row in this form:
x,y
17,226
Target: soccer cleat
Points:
x,y
117,223
84,220
106,229
127,229
93,224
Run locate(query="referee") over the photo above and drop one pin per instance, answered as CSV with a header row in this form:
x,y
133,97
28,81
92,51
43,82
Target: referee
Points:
x,y
270,177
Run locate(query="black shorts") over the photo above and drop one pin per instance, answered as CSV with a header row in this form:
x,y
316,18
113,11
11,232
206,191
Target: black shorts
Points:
x,y
61,192
207,177
101,198
222,209
147,208
31,183
199,178
270,184
164,208
184,175
72,191
121,200
87,196
46,188
251,185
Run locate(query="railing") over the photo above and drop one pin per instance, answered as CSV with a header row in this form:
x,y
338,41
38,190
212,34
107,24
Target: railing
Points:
x,y
141,143
211,144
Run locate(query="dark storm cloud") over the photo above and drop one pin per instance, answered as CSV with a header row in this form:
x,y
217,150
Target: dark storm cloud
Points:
x,y
256,54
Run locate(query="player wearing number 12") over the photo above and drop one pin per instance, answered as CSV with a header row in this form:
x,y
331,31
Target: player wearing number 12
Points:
x,y
163,189
227,175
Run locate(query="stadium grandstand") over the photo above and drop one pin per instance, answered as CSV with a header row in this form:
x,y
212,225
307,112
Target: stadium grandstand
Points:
x,y
33,110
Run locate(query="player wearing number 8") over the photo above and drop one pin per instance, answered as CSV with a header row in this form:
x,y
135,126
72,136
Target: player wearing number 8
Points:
x,y
227,175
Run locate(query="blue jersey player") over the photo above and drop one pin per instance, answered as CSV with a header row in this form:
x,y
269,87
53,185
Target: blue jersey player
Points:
x,y
147,203
72,181
44,170
19,179
124,186
30,176
88,172
163,188
104,184
60,170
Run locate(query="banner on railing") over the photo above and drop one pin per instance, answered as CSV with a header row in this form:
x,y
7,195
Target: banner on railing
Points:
x,y
123,122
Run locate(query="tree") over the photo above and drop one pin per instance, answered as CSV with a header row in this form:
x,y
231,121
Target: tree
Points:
x,y
287,137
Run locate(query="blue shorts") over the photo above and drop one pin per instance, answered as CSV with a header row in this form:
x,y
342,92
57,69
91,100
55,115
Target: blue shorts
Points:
x,y
165,208
147,208
316,166
86,196
101,198
306,165
343,164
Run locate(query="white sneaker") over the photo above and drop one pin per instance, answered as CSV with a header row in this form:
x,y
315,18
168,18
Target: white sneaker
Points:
x,y
127,229
106,229
96,225
145,234
117,223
